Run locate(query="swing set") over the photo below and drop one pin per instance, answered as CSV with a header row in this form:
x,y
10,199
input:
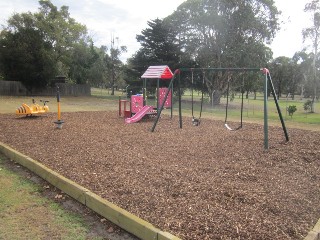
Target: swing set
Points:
x,y
196,121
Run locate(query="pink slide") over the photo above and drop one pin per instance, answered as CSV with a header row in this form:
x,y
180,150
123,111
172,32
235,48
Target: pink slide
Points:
x,y
137,117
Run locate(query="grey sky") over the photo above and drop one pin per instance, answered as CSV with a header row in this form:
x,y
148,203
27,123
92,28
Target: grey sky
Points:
x,y
123,19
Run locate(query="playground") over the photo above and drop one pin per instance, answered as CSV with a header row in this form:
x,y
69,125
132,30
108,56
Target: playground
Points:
x,y
201,182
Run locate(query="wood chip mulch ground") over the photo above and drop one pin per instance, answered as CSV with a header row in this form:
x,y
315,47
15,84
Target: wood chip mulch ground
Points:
x,y
200,182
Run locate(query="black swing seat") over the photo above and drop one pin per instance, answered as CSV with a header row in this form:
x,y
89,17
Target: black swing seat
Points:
x,y
232,129
195,121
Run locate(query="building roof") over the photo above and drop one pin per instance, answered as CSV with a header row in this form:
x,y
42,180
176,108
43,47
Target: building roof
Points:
x,y
162,72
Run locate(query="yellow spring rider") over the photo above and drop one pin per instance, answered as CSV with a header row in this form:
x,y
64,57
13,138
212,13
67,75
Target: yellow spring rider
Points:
x,y
34,109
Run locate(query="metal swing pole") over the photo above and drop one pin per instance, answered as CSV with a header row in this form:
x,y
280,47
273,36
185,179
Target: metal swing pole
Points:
x,y
179,93
158,94
242,93
165,98
171,110
265,105
201,106
241,113
192,92
226,115
277,105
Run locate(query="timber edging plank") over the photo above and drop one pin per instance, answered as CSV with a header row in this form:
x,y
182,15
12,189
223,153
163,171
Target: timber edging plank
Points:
x,y
314,234
110,211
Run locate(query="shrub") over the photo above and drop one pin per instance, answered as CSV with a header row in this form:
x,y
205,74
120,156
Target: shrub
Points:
x,y
307,106
291,110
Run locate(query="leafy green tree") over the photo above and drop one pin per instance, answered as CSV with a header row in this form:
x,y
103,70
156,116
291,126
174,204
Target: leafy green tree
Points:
x,y
252,83
283,72
305,73
64,34
307,106
298,80
114,65
159,46
53,41
98,71
83,57
291,110
223,33
25,55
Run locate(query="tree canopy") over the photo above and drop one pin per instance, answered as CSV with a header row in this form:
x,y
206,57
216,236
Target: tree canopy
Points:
x,y
223,33
226,33
37,47
26,57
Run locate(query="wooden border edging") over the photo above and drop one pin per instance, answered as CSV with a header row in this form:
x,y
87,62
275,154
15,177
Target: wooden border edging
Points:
x,y
110,211
314,234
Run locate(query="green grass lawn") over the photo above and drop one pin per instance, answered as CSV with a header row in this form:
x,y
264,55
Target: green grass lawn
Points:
x,y
253,110
35,216
101,100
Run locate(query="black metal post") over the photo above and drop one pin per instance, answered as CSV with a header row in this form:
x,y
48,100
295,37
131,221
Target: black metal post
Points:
x,y
158,94
171,100
165,98
144,91
59,122
278,108
179,92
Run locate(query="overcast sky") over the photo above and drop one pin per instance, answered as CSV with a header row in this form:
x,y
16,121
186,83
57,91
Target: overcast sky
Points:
x,y
123,19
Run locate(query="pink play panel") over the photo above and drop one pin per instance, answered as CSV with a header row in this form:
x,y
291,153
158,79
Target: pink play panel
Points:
x,y
162,94
136,103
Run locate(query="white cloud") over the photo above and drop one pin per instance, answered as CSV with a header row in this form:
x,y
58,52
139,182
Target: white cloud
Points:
x,y
123,19
16,6
289,39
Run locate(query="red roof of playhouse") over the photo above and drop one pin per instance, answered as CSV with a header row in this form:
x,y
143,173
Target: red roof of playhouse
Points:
x,y
162,72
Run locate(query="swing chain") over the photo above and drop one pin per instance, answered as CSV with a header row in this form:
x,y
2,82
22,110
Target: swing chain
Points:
x,y
227,104
196,121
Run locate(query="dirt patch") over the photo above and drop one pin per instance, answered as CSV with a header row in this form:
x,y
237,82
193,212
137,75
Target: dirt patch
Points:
x,y
197,182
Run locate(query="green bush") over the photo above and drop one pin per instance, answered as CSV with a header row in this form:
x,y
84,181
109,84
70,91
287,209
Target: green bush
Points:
x,y
291,110
307,106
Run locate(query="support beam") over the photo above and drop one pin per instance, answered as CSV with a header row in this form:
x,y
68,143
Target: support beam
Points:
x,y
165,99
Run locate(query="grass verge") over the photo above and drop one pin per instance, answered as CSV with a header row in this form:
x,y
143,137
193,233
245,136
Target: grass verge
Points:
x,y
26,214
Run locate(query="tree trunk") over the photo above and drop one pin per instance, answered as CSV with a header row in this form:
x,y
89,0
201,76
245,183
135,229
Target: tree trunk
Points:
x,y
216,86
247,94
302,92
279,89
215,97
313,108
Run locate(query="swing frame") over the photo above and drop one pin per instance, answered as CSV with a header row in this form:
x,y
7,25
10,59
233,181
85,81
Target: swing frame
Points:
x,y
267,82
